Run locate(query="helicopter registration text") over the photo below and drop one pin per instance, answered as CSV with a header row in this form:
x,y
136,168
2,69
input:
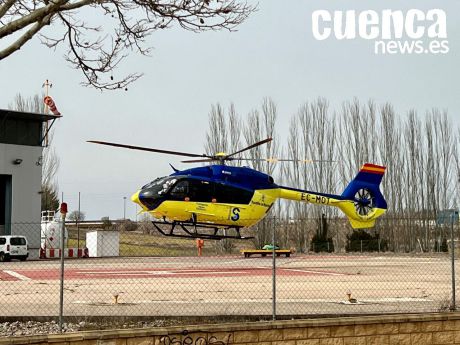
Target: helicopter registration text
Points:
x,y
314,198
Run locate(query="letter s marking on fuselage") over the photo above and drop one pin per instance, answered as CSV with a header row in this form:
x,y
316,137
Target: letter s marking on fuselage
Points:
x,y
236,214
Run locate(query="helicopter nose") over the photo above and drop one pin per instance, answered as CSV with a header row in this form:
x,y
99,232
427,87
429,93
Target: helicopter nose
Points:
x,y
135,198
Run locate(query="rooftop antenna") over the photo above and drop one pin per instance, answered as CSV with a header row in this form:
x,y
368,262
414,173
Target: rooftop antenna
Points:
x,y
47,85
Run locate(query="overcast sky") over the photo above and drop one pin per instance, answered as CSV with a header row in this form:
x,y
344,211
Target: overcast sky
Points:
x,y
273,54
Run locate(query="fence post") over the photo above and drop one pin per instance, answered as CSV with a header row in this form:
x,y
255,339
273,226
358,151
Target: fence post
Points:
x,y
361,245
453,306
78,224
274,271
61,291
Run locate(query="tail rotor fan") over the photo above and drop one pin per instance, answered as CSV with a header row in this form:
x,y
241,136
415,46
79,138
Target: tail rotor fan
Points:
x,y
364,202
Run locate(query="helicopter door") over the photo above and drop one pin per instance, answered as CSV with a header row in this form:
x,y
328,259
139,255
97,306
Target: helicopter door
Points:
x,y
180,191
200,191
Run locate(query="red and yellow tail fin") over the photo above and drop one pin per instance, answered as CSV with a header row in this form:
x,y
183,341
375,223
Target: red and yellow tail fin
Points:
x,y
362,200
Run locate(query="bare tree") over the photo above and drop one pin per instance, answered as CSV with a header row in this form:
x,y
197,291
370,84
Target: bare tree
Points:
x,y
50,160
299,174
97,49
216,136
77,216
234,130
421,153
318,142
390,143
456,154
224,132
431,166
261,125
223,135
414,170
358,137
445,147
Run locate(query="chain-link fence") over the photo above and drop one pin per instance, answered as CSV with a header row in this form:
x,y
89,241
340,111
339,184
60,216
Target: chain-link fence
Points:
x,y
132,270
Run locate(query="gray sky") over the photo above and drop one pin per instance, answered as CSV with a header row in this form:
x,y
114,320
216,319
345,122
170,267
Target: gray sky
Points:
x,y
273,54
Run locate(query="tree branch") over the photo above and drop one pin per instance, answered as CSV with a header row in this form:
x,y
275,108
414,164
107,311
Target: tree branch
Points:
x,y
16,45
97,50
6,6
34,17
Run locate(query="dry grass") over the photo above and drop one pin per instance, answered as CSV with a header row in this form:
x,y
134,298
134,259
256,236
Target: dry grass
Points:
x,y
138,244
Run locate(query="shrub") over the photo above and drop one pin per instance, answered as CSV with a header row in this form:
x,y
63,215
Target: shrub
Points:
x,y
361,240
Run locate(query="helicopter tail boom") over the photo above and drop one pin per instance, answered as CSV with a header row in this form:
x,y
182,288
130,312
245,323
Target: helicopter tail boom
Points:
x,y
362,202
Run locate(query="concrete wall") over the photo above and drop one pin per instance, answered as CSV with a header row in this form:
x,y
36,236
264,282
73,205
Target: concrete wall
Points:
x,y
26,185
376,330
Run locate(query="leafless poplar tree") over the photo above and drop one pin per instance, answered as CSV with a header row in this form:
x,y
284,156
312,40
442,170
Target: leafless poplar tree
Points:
x,y
358,137
431,167
295,173
223,135
312,136
456,154
261,125
391,154
421,155
216,136
224,132
414,170
445,150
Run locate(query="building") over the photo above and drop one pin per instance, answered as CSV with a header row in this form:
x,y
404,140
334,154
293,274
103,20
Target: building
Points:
x,y
21,144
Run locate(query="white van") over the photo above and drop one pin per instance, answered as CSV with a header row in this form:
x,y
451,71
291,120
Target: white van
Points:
x,y
13,247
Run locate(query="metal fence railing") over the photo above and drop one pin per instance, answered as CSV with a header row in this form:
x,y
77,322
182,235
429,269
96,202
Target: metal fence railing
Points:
x,y
134,271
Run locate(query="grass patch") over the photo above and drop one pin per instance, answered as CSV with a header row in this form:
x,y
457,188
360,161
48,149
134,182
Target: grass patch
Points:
x,y
139,244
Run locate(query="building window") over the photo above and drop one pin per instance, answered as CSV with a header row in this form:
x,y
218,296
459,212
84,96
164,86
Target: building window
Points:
x,y
20,132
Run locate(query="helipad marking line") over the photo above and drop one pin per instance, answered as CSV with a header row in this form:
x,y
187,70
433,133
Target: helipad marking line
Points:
x,y
305,271
17,275
232,262
265,300
133,273
315,272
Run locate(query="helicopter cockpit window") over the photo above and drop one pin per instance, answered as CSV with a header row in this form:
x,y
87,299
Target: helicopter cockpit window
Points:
x,y
154,182
180,191
160,185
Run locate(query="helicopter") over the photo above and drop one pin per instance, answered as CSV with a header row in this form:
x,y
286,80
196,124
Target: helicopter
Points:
x,y
218,200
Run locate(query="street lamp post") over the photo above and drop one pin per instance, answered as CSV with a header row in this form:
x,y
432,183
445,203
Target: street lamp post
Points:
x,y
124,208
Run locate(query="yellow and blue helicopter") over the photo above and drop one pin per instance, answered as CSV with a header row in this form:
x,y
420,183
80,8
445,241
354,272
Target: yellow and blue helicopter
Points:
x,y
216,198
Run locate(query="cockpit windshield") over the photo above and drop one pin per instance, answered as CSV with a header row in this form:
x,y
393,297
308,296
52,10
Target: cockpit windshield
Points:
x,y
160,185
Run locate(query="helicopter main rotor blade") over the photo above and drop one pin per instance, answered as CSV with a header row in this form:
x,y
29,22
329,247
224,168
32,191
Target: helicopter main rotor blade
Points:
x,y
274,160
147,149
207,160
250,147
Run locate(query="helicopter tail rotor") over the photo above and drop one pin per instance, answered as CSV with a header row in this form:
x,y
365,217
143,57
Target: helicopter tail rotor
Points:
x,y
362,200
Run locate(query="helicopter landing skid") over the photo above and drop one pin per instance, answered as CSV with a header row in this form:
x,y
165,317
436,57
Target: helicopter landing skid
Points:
x,y
195,233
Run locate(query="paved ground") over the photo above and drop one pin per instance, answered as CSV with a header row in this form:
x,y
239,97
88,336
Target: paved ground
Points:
x,y
227,285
